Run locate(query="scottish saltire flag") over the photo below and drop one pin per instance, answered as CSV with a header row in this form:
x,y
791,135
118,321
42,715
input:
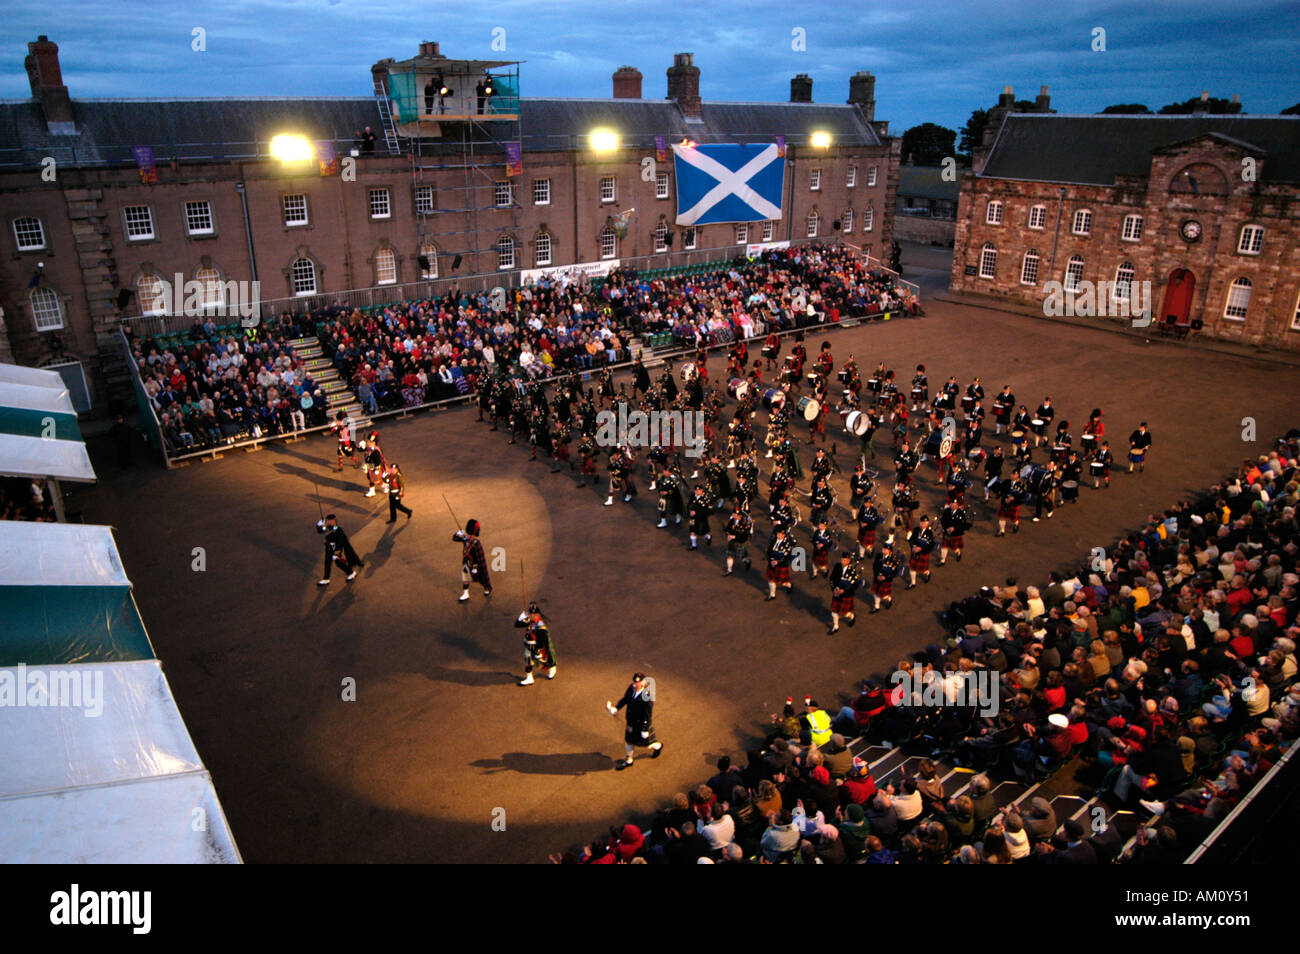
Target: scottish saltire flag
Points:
x,y
728,183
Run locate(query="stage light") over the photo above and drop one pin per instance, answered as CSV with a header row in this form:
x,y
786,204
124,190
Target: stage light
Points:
x,y
487,86
821,139
289,148
604,140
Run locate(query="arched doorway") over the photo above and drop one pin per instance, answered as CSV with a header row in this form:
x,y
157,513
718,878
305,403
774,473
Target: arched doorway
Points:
x,y
1177,308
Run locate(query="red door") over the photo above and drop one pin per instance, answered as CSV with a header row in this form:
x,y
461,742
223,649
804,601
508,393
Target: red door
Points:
x,y
1178,298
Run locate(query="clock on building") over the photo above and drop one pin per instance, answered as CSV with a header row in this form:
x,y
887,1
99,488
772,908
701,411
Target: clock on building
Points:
x,y
1190,230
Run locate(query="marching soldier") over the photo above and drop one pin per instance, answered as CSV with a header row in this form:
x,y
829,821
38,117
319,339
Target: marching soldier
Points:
x,y
921,540
672,497
1102,461
1003,406
473,561
905,461
342,427
993,465
700,509
373,463
783,516
1139,445
780,553
905,501
395,485
621,462
338,549
869,519
539,652
639,698
860,488
740,526
1011,495
920,389
822,542
884,569
823,498
845,579
955,520
587,451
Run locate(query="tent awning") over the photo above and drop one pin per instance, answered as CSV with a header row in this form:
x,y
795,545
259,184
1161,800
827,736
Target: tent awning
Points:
x,y
23,456
36,377
59,554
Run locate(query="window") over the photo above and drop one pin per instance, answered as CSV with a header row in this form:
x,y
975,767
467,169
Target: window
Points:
x,y
847,220
608,189
871,176
814,180
661,237
1029,268
814,220
608,243
1037,216
769,229
385,267
988,262
430,253
1132,228
1082,222
424,200
1238,300
742,234
505,252
379,204
1124,281
153,297
868,219
541,192
29,233
1252,240
211,286
661,185
688,238
542,249
1073,273
47,312
198,218
295,210
501,194
853,177
303,275
139,222
993,215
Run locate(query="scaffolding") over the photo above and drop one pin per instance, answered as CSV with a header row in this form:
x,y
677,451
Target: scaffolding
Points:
x,y
460,120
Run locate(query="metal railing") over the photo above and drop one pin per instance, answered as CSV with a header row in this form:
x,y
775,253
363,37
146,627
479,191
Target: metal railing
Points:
x,y
149,422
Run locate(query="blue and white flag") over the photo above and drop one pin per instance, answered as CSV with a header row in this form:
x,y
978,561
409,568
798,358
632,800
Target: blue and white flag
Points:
x,y
728,183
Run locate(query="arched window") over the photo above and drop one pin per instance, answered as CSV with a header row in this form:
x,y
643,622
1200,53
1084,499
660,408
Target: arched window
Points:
x,y
47,310
814,222
1124,281
505,252
1073,273
151,291
988,262
385,267
430,253
993,215
542,249
1029,268
847,220
868,219
1238,300
211,287
661,237
608,243
302,275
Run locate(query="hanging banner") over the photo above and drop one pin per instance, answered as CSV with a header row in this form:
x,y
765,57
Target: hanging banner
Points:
x,y
514,159
329,160
728,183
661,148
144,159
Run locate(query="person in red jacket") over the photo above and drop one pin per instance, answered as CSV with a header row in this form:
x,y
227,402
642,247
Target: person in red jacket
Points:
x,y
859,788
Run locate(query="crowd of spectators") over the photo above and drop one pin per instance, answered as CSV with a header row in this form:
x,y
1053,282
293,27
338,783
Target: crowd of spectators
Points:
x,y
22,498
1162,674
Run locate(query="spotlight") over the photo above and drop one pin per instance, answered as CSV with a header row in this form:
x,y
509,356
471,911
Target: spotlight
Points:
x,y
821,139
289,148
604,140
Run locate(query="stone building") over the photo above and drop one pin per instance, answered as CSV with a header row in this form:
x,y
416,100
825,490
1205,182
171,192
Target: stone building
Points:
x,y
1203,208
89,237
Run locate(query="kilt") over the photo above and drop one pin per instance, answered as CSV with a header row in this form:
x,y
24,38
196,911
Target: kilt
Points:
x,y
633,736
821,559
842,605
778,574
1136,457
1009,511
954,542
588,465
883,588
920,562
867,538
561,451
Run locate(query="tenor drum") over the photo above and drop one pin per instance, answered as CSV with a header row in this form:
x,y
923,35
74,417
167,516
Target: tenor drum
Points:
x,y
809,408
773,398
938,444
1088,442
1018,437
918,394
844,377
768,351
967,403
1097,467
857,423
1069,490
1038,426
873,384
813,378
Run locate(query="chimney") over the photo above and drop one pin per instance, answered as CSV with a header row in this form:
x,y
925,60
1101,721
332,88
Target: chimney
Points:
x,y
801,89
684,84
379,72
862,92
47,84
1043,104
627,83
429,49
1201,107
1008,97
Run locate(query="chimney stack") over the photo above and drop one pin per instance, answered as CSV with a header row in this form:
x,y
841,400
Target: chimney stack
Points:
x,y
1008,97
1043,104
862,93
47,85
684,84
430,49
627,83
801,89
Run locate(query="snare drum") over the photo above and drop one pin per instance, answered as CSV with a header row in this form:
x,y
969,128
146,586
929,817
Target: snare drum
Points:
x,y
813,377
768,351
844,377
1069,490
1098,468
1088,442
1038,426
857,423
967,403
918,394
773,398
809,408
873,384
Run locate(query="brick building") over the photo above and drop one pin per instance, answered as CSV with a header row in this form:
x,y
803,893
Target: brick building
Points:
x,y
83,228
1203,207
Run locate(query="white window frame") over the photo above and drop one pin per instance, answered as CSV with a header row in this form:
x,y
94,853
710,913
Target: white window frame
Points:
x,y
868,219
197,210
1125,276
289,199
1132,231
1031,262
430,252
660,237
541,192
814,222
29,245
153,302
1039,213
814,180
609,188
506,249
48,297
142,224
502,194
1251,240
385,266
661,185
380,204
543,250
871,177
993,213
988,261
608,243
742,234
424,196
769,229
846,221
1230,303
690,238
1081,224
297,277
852,179
1073,273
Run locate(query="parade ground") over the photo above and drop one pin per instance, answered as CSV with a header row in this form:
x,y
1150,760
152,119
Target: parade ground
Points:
x,y
443,757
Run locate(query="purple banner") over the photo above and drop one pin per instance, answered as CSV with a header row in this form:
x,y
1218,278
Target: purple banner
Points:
x,y
514,159
144,159
780,146
661,148
329,160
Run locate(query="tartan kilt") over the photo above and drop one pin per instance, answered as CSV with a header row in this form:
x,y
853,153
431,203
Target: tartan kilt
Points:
x,y
867,538
778,574
1009,511
561,451
842,605
955,541
920,562
956,496
821,559
883,588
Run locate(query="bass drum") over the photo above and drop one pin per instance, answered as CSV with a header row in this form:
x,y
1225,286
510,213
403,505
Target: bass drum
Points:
x,y
938,444
773,398
738,388
857,423
688,372
808,408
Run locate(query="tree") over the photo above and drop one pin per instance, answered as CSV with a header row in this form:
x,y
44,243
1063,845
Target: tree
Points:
x,y
1215,105
929,144
1292,110
1126,109
972,134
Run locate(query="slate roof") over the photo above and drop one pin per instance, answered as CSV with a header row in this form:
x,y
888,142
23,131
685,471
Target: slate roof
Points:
x,y
926,182
1093,150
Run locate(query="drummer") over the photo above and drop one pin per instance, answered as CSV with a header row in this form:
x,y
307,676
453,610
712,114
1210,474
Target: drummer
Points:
x,y
772,350
1042,419
920,389
816,427
1071,474
1093,431
1061,443
974,394
1003,406
993,465
1100,464
1139,445
825,363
